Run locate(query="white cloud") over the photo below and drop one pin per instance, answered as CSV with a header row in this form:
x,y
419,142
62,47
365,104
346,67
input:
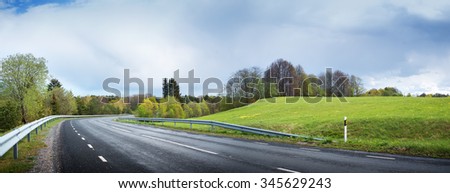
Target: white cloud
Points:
x,y
432,76
86,42
430,9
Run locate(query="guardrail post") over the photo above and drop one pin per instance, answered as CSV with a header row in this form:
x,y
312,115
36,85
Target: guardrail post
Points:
x,y
16,151
174,123
191,125
37,129
29,137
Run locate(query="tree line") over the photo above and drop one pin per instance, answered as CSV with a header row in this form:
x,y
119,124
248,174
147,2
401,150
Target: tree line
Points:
x,y
25,96
170,107
438,95
247,85
172,104
282,78
387,91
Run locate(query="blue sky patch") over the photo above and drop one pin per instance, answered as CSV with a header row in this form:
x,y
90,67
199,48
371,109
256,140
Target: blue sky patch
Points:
x,y
22,6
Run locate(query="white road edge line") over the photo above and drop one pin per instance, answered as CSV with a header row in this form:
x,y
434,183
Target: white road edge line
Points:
x,y
288,170
380,157
102,158
179,144
90,146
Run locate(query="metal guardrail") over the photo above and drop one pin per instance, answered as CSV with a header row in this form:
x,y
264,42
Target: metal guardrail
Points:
x,y
12,139
222,125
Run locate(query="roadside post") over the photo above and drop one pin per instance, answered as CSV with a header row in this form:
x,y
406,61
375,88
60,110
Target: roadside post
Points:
x,y
345,129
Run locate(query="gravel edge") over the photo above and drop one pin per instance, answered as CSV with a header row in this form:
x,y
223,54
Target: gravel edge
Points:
x,y
47,160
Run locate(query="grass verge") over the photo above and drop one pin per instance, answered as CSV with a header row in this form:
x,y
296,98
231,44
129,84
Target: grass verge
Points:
x,y
28,151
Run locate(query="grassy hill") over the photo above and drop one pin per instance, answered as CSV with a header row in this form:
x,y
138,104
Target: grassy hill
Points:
x,y
406,125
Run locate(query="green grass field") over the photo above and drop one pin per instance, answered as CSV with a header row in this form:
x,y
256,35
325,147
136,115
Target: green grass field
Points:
x,y
403,125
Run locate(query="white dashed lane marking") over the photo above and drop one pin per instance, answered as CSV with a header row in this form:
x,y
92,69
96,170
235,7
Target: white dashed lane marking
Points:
x,y
380,157
287,170
92,147
102,158
179,144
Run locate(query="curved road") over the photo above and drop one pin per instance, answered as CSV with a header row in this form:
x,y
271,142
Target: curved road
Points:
x,y
103,145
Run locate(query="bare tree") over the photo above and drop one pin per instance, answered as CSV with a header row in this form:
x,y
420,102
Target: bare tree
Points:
x,y
243,84
356,87
302,80
340,84
285,75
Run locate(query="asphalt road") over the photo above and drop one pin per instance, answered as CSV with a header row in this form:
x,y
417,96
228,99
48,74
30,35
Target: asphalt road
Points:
x,y
103,145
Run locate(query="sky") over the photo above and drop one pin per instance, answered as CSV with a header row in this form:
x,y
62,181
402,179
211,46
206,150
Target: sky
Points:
x,y
404,43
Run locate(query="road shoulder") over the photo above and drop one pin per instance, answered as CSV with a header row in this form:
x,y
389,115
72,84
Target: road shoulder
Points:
x,y
47,160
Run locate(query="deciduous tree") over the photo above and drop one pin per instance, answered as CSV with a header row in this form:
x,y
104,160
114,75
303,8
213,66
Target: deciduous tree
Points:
x,y
24,74
283,73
